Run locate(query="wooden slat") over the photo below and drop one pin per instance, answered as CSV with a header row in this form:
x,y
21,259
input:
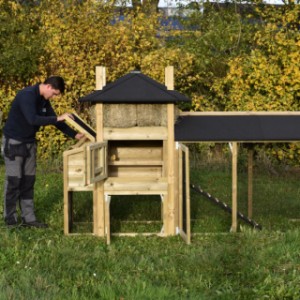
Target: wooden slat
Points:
x,y
134,171
120,152
136,163
136,186
81,188
136,133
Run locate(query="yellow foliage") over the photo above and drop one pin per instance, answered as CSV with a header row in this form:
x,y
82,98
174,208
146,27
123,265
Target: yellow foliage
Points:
x,y
79,35
269,78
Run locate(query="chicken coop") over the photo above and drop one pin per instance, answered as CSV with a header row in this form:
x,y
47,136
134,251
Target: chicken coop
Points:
x,y
130,149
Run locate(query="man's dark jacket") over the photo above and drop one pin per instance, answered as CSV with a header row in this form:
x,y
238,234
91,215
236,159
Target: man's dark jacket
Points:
x,y
28,112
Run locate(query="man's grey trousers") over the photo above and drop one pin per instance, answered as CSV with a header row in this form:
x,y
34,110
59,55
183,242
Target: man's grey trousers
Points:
x,y
20,169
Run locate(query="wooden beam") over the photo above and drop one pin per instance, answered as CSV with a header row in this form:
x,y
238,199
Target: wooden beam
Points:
x,y
98,195
250,183
241,113
169,206
66,198
136,133
234,187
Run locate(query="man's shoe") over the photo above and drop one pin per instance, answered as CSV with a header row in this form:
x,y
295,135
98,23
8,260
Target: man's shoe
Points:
x,y
35,224
11,223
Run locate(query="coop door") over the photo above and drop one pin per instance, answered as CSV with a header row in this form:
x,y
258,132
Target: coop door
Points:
x,y
184,194
96,162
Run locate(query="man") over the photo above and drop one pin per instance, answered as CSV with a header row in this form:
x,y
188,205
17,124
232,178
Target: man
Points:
x,y
30,109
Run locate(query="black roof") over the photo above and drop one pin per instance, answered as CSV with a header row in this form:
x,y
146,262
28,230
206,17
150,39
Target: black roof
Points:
x,y
231,128
135,87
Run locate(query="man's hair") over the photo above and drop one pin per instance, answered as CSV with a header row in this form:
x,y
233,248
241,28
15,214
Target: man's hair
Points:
x,y
56,82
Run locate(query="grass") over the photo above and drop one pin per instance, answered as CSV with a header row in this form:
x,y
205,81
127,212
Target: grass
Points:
x,y
250,264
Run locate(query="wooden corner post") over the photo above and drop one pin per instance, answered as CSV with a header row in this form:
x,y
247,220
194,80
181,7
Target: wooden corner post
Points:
x,y
98,195
169,206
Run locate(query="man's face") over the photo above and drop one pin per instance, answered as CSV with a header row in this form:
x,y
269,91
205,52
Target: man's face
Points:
x,y
50,92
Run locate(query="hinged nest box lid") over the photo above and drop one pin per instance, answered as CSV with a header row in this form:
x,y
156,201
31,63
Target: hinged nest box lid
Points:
x,y
135,87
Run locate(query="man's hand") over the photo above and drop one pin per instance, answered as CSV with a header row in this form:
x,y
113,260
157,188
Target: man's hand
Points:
x,y
64,116
79,136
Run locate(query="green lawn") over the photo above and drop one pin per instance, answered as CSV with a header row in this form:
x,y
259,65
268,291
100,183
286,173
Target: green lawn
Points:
x,y
250,264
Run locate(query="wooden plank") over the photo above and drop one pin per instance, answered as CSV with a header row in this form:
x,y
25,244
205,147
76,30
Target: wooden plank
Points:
x,y
234,187
107,218
250,183
136,133
176,187
80,142
119,151
98,195
241,113
136,186
180,188
135,234
188,199
132,172
169,203
78,127
66,196
74,182
73,151
81,188
185,220
136,163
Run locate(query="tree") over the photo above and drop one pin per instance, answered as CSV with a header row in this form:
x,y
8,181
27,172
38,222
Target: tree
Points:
x,y
268,78
88,33
20,43
214,33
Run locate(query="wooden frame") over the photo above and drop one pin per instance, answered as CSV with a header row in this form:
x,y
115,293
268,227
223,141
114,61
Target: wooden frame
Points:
x,y
96,162
87,162
108,197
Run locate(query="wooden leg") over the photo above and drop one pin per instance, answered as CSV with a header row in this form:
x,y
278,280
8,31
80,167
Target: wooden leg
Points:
x,y
234,187
250,184
70,213
107,218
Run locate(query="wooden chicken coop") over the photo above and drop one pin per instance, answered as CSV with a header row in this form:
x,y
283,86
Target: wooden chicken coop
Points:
x,y
131,151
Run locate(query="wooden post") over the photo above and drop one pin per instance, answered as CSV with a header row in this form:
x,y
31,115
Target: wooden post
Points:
x,y
169,77
177,187
169,202
100,77
234,187
98,195
250,183
66,198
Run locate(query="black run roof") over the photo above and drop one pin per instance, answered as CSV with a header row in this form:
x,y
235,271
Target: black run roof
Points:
x,y
135,87
232,128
